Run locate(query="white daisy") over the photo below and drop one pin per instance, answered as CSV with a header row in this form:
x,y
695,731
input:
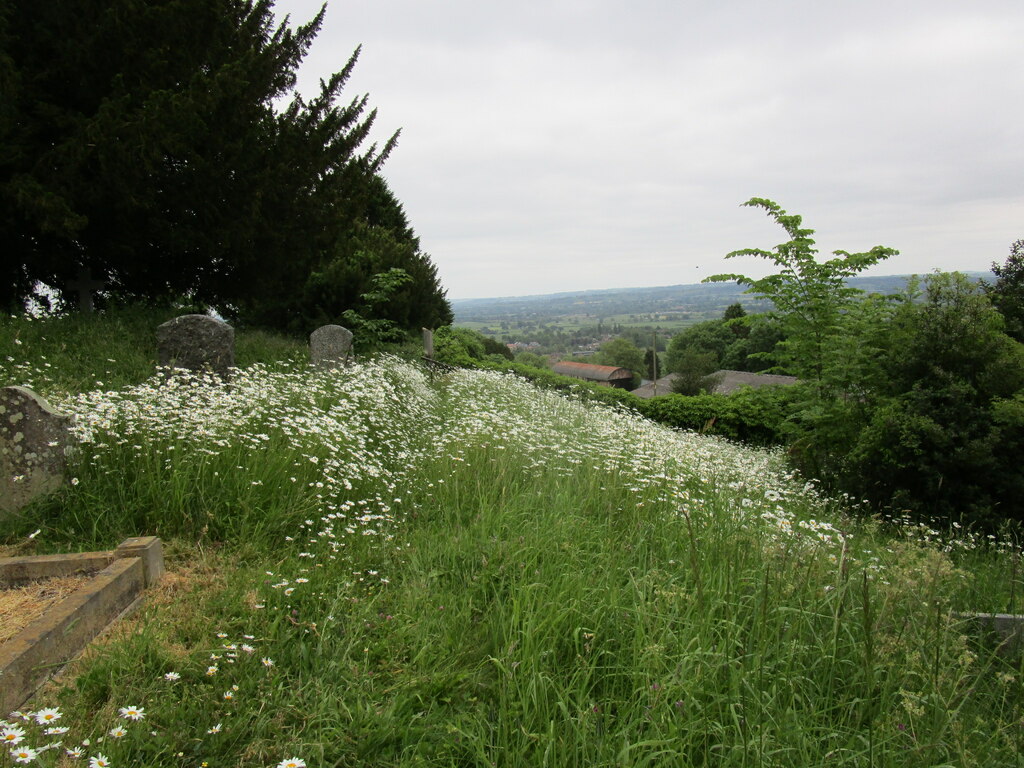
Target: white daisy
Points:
x,y
133,713
23,754
12,735
44,716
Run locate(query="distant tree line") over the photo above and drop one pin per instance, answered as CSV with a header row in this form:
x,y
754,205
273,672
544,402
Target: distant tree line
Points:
x,y
160,147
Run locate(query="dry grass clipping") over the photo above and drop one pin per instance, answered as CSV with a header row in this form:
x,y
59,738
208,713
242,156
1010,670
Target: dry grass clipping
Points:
x,y
21,605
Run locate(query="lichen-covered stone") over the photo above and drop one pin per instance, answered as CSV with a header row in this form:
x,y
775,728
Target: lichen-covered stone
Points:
x,y
34,444
197,343
330,346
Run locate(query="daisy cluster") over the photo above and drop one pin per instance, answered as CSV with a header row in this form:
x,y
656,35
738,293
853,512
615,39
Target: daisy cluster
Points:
x,y
344,439
690,474
356,437
40,737
466,415
367,444
344,415
32,737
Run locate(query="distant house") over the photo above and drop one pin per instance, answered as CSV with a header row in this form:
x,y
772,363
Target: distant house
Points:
x,y
728,381
733,380
662,386
606,375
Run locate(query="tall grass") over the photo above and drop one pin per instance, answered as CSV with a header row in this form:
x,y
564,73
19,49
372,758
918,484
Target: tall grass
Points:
x,y
110,349
396,570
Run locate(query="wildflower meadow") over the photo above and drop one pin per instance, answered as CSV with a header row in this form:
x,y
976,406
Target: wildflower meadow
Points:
x,y
376,566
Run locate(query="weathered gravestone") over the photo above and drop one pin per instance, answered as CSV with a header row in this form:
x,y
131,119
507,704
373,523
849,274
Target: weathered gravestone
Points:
x,y
428,343
34,444
197,343
330,346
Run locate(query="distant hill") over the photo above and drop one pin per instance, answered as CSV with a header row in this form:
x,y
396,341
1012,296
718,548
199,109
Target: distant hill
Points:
x,y
699,299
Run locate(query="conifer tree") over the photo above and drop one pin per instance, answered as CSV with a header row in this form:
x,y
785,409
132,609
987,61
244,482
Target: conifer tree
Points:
x,y
160,145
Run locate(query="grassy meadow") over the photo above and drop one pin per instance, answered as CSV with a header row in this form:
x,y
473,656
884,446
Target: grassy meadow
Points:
x,y
380,567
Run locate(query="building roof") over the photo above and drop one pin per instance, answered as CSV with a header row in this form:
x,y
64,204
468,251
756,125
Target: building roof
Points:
x,y
592,372
664,387
732,380
728,382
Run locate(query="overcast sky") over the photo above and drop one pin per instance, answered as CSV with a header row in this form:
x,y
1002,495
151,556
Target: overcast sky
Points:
x,y
562,145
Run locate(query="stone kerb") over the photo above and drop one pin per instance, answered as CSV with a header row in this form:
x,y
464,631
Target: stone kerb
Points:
x,y
118,579
34,444
197,343
330,346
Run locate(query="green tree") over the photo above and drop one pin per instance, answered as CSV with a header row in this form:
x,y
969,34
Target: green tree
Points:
x,y
622,353
943,420
1007,294
734,312
144,144
711,336
369,329
694,372
809,296
382,240
734,317
154,144
495,348
531,359
755,352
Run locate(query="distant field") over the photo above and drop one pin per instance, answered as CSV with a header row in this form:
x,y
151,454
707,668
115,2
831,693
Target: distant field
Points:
x,y
559,320
515,330
679,303
668,308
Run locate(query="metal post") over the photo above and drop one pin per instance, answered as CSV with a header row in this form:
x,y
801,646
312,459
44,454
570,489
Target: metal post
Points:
x,y
654,338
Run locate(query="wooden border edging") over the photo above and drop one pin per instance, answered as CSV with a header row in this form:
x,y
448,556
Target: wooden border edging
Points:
x,y
49,642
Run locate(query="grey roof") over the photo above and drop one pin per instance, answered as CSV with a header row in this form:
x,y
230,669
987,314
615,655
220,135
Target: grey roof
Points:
x,y
664,387
729,381
733,380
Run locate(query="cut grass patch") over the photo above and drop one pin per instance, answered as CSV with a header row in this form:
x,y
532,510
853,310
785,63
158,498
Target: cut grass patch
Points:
x,y
21,605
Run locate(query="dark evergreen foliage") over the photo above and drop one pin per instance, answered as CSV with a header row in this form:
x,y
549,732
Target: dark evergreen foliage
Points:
x,y
154,144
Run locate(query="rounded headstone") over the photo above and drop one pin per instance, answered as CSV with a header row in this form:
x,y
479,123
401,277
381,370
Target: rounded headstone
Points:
x,y
197,343
330,346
